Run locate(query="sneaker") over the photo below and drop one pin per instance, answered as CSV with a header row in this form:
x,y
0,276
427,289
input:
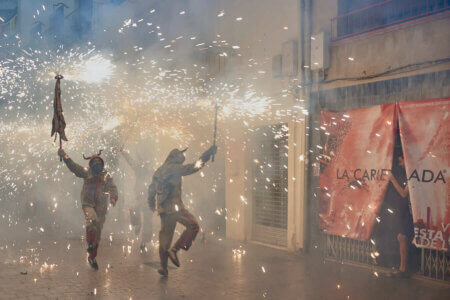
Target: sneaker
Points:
x,y
173,256
90,248
93,262
163,272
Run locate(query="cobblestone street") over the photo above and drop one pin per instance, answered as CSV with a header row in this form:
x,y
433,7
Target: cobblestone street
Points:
x,y
211,270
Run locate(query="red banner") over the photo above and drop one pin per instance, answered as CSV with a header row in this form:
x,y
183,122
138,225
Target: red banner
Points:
x,y
357,154
425,135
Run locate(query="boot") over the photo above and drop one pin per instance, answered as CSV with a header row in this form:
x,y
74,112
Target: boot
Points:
x,y
90,248
172,253
93,262
163,271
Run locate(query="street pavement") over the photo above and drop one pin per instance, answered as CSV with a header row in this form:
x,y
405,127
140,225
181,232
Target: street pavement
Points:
x,y
212,269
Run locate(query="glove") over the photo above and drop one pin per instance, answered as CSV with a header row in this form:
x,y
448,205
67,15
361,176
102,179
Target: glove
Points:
x,y
208,153
62,153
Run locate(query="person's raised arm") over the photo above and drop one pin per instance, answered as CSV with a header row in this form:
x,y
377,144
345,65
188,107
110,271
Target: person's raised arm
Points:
x,y
404,192
129,159
184,170
75,168
111,188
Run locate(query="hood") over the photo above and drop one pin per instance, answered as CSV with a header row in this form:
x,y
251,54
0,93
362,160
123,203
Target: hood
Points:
x,y
175,157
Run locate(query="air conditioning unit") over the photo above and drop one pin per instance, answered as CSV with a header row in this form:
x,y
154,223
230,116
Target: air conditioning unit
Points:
x,y
277,66
320,51
289,59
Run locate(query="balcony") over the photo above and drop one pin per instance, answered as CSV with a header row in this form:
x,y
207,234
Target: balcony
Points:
x,y
382,15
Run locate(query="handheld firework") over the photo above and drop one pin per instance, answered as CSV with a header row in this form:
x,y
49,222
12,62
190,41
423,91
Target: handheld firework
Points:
x,y
58,123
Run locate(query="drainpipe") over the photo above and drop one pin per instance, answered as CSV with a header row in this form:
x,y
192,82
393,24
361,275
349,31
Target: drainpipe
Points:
x,y
305,93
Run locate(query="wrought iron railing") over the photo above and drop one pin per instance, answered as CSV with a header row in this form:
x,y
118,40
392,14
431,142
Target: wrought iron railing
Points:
x,y
345,249
383,14
435,264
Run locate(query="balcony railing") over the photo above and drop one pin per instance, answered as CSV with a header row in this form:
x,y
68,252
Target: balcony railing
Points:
x,y
382,15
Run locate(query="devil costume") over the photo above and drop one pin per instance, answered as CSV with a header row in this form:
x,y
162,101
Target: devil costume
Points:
x,y
165,197
98,190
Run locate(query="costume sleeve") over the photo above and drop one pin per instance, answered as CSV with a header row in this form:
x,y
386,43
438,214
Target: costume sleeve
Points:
x,y
183,170
151,195
76,169
133,164
111,187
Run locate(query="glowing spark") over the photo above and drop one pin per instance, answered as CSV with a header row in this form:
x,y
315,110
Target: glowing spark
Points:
x,y
111,124
96,69
198,164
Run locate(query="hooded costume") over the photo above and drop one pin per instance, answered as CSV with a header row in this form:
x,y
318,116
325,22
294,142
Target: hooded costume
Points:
x,y
165,197
141,221
98,190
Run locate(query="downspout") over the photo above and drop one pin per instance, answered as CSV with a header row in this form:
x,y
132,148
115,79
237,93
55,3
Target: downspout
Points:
x,y
305,93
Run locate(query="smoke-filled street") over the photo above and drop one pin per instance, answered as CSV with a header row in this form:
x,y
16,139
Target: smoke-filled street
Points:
x,y
230,149
221,270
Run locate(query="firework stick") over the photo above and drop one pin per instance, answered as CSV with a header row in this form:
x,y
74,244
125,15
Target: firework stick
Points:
x,y
58,123
215,130
59,76
60,147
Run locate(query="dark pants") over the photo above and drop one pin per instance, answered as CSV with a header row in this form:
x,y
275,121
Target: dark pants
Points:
x,y
168,224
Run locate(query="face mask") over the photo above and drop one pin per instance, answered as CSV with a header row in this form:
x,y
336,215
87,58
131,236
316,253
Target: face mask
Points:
x,y
97,168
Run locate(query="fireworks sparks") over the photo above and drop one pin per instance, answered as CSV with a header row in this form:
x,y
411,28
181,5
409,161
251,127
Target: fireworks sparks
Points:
x,y
239,252
96,69
109,99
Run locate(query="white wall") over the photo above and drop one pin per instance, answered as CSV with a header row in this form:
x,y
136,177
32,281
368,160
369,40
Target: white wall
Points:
x,y
264,27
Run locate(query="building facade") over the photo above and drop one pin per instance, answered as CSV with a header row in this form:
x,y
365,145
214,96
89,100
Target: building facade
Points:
x,y
367,53
52,22
265,160
348,54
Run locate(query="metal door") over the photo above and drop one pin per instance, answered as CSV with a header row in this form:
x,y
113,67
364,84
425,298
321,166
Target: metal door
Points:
x,y
270,183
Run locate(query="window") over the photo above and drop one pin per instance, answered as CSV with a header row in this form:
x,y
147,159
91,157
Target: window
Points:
x,y
360,16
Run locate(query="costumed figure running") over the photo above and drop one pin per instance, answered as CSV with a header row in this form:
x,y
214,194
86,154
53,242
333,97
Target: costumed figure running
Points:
x,y
98,190
165,197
